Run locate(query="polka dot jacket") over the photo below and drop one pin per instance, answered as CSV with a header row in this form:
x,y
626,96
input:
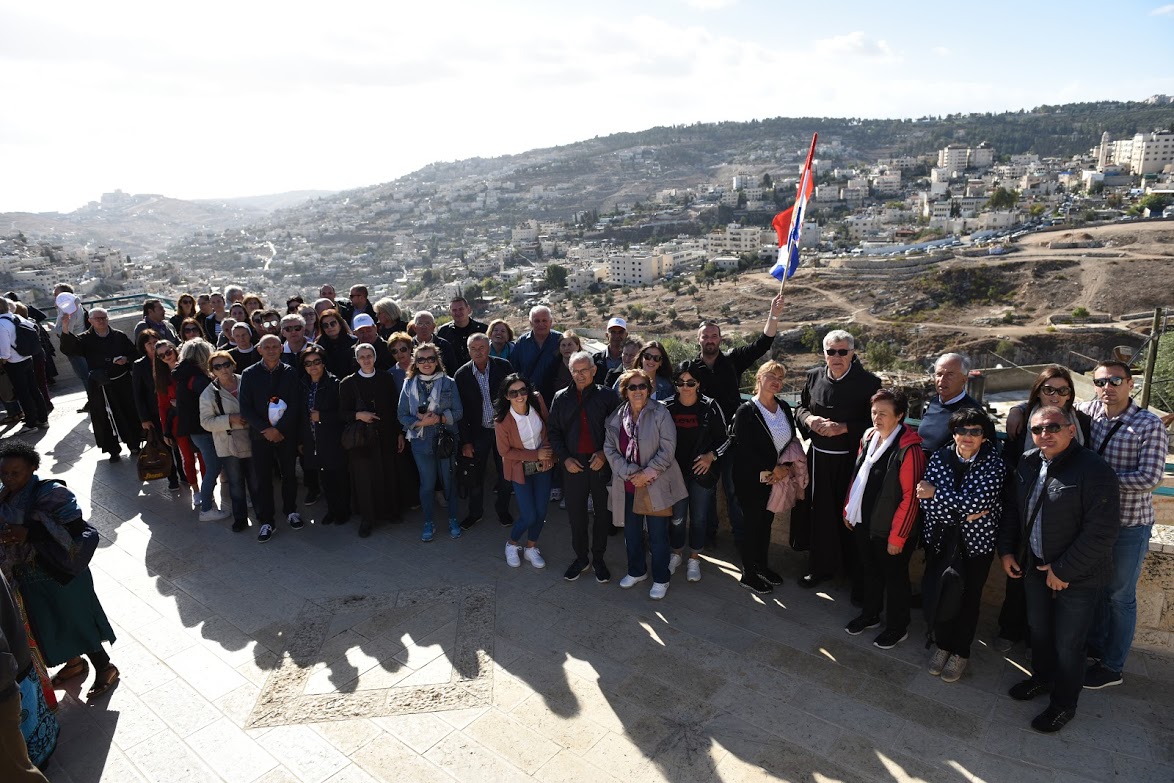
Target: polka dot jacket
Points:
x,y
962,489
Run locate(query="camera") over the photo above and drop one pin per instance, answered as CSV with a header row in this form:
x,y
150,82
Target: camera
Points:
x,y
423,408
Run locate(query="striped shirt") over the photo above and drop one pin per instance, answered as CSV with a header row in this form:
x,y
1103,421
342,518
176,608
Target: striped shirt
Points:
x,y
1136,452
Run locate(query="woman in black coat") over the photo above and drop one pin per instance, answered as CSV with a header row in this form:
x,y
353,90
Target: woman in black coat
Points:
x,y
321,434
763,428
369,395
334,334
142,379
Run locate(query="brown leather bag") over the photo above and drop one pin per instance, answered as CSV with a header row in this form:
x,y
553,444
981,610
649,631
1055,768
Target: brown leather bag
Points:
x,y
155,459
642,504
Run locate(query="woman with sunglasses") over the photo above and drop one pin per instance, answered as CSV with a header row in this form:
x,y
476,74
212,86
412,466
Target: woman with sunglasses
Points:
x,y
321,434
428,403
336,338
654,359
166,360
962,496
191,378
701,438
185,308
142,376
190,329
310,316
220,415
369,396
527,461
640,444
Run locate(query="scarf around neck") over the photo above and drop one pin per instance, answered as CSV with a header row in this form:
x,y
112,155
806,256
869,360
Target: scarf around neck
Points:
x,y
877,446
631,427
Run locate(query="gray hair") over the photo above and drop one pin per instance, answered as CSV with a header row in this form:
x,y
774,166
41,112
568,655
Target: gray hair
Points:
x,y
476,337
231,290
579,356
389,306
416,317
271,337
839,336
292,318
360,346
99,311
539,309
199,351
963,361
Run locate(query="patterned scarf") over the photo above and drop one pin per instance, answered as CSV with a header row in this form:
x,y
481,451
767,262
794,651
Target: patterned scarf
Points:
x,y
632,430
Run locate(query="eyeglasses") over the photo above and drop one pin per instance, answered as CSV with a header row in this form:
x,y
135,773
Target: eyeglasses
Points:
x,y
1112,380
969,432
637,387
514,393
291,328
1062,391
690,384
1051,428
653,358
312,363
221,366
583,370
328,324
420,359
838,351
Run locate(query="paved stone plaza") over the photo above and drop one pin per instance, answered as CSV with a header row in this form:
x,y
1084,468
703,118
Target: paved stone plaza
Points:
x,y
320,656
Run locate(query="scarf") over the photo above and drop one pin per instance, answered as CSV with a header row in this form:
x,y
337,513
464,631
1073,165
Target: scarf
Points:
x,y
415,387
876,448
632,430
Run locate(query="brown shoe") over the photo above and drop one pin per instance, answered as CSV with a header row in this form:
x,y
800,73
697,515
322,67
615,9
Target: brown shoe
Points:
x,y
105,680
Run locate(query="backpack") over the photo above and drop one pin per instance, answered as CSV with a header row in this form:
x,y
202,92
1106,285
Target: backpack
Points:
x,y
27,342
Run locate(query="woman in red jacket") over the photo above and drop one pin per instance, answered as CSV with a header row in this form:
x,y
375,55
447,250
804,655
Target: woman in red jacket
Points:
x,y
166,360
882,512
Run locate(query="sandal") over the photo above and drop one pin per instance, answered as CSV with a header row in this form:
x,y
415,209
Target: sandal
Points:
x,y
71,671
104,681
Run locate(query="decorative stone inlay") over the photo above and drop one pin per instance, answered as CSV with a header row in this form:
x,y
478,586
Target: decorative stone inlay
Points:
x,y
284,701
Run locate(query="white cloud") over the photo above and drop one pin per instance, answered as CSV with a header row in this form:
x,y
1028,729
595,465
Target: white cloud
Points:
x,y
1165,10
856,44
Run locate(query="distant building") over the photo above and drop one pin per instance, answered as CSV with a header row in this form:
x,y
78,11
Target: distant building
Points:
x,y
1151,152
634,270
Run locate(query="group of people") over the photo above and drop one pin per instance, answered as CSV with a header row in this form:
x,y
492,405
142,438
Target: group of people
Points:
x,y
384,414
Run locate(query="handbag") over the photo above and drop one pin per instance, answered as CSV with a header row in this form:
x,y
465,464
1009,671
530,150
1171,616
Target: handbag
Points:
x,y
59,563
642,504
154,460
446,443
360,434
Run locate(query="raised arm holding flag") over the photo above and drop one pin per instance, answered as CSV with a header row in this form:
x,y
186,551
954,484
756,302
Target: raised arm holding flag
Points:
x,y
788,224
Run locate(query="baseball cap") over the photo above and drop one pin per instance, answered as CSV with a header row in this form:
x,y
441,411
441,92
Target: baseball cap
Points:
x,y
620,322
361,320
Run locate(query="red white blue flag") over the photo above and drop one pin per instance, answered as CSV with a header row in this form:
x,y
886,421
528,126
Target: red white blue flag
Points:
x,y
788,224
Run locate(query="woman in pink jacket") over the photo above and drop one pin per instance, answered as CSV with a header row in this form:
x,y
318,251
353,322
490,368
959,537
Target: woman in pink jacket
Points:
x,y
527,461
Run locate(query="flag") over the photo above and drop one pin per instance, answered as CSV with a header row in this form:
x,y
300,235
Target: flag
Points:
x,y
788,224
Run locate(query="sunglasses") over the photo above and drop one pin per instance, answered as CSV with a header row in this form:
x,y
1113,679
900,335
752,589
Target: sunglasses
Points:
x,y
513,393
1051,428
165,354
402,349
687,384
291,328
420,359
1112,380
192,329
312,363
270,324
969,432
838,351
1062,391
221,366
328,324
651,358
637,387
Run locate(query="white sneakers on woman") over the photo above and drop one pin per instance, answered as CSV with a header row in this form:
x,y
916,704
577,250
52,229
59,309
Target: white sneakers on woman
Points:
x,y
512,558
514,555
534,557
693,570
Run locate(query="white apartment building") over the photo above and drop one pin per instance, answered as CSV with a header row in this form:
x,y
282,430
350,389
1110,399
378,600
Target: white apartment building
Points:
x,y
1151,152
580,280
736,240
953,157
634,270
887,184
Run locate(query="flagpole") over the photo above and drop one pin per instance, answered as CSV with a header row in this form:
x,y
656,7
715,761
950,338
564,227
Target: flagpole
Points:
x,y
799,215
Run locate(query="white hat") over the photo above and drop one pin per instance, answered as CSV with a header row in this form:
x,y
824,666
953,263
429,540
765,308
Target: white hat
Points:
x,y
617,321
361,320
66,302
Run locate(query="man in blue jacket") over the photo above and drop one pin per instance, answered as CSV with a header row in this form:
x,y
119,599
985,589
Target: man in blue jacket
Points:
x,y
264,386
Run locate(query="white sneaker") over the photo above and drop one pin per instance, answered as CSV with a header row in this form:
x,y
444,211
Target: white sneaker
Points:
x,y
674,563
215,514
441,500
511,555
631,581
658,591
556,494
693,570
534,557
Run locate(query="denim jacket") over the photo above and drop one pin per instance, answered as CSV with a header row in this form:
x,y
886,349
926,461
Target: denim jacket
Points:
x,y
449,408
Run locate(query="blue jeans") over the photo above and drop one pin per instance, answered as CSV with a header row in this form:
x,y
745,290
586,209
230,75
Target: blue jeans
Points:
x,y
1059,624
727,467
658,542
212,466
81,368
533,498
1116,617
429,465
696,507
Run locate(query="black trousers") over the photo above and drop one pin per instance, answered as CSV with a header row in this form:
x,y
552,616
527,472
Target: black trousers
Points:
x,y
1060,622
27,391
956,635
832,547
336,486
756,523
268,457
576,488
485,447
882,580
1013,614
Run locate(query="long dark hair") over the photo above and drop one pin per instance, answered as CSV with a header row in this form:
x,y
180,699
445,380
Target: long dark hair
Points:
x,y
162,371
664,370
1046,374
501,404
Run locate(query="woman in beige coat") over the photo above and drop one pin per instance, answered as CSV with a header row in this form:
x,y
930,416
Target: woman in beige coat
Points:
x,y
640,445
220,414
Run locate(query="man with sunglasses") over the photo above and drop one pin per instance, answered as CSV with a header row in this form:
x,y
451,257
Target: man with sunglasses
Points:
x,y
950,373
1134,442
1057,535
478,382
293,331
720,373
834,412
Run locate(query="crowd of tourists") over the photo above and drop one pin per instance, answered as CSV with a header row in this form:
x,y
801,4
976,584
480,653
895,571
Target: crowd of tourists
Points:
x,y
354,403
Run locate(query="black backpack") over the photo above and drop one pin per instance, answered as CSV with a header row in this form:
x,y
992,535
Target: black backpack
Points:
x,y
28,342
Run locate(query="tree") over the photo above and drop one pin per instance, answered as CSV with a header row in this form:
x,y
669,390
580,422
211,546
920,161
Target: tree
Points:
x,y
767,182
556,276
881,355
1003,198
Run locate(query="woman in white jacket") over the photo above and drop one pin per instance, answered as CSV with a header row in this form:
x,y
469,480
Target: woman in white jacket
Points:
x,y
220,414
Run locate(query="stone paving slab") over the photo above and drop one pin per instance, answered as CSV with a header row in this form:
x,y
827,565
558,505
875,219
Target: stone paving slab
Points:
x,y
321,657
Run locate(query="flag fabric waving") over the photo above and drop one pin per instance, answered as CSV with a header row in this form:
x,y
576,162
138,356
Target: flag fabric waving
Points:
x,y
788,224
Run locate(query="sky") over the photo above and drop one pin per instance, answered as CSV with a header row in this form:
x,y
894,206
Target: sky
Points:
x,y
222,99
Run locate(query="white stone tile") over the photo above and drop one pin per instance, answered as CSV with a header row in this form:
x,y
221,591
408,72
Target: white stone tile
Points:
x,y
304,752
465,759
166,759
211,676
419,732
181,707
389,761
347,736
164,637
522,747
230,752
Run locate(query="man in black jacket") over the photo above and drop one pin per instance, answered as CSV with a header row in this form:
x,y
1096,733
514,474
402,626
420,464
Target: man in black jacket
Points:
x,y
274,444
478,383
720,375
458,331
575,427
1057,535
